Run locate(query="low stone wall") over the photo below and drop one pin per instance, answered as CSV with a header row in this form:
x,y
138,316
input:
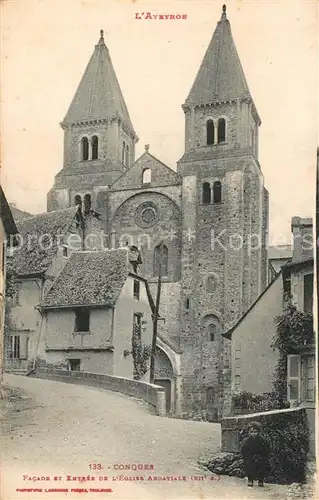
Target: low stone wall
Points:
x,y
286,431
153,394
233,426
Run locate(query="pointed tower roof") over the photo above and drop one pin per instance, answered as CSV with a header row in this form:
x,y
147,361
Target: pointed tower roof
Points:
x,y
220,76
99,95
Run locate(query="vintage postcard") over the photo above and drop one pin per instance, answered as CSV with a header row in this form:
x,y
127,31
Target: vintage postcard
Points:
x,y
158,187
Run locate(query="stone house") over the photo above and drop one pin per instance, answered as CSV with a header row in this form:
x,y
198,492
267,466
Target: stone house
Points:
x,y
253,360
91,311
44,245
214,198
8,231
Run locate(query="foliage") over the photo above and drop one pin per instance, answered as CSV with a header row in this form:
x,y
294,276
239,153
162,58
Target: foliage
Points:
x,y
294,328
141,354
257,402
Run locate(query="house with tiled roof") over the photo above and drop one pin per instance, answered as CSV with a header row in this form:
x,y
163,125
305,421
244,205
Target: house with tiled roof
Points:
x,y
253,359
97,313
44,244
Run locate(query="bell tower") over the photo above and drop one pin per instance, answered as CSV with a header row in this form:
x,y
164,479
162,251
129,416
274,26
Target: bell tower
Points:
x,y
99,138
225,216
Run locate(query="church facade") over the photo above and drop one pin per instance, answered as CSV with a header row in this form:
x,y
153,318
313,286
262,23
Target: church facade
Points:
x,y
211,213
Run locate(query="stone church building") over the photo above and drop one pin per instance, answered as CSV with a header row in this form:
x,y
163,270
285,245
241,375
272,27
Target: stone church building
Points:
x,y
204,211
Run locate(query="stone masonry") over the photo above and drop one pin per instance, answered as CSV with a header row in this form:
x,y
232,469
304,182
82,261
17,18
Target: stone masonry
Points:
x,y
212,213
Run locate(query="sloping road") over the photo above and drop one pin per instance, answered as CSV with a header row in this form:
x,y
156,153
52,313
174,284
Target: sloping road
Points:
x,y
58,430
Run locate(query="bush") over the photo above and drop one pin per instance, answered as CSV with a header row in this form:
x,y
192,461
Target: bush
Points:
x,y
288,436
258,403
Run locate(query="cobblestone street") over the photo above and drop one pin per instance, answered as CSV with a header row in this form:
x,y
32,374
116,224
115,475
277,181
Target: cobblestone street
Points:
x,y
53,429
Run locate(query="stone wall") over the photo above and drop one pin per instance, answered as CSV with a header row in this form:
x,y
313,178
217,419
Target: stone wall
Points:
x,y
151,393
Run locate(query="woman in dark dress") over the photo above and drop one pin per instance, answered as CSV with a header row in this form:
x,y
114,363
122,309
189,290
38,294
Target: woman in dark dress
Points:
x,y
255,453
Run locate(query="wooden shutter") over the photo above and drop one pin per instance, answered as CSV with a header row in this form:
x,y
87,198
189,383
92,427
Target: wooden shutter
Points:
x,y
293,377
23,347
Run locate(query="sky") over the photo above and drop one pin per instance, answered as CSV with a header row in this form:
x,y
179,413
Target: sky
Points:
x,y
46,45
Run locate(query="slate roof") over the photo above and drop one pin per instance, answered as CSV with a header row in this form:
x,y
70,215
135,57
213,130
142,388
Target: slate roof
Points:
x,y
280,252
89,279
6,215
17,213
220,76
99,95
32,256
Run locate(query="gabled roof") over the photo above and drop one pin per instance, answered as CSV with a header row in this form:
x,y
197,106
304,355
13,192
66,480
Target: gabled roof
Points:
x,y
6,215
89,279
220,76
17,213
229,332
39,240
162,175
99,95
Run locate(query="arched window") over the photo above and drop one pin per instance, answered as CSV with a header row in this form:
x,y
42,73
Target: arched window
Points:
x,y
147,176
221,130
127,156
217,192
77,200
87,203
212,327
211,284
95,147
160,252
210,133
212,330
206,193
84,148
210,395
123,152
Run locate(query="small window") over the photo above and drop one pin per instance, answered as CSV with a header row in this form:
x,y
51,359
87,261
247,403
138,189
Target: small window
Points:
x,y
187,304
210,133
160,252
210,395
237,381
14,347
211,284
84,148
65,251
136,292
123,152
87,203
77,200
212,329
206,193
147,176
221,130
217,192
75,365
95,147
82,319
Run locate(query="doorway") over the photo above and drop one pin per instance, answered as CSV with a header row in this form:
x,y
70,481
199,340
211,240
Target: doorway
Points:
x,y
166,383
